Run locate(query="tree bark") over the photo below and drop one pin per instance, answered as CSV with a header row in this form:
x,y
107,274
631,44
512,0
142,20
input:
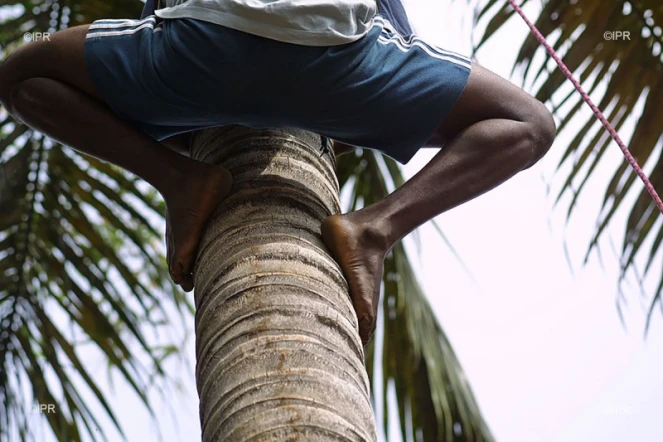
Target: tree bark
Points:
x,y
278,354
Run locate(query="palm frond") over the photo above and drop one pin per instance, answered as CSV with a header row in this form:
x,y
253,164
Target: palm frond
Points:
x,y
81,264
434,399
629,70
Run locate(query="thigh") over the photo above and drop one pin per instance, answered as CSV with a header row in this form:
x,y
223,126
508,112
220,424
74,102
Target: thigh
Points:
x,y
486,96
60,57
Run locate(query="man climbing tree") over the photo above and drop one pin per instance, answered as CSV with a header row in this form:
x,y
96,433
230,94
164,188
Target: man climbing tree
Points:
x,y
125,90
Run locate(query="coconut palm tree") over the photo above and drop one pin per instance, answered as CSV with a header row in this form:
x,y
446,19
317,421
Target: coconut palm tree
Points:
x,y
623,76
278,353
82,270
276,334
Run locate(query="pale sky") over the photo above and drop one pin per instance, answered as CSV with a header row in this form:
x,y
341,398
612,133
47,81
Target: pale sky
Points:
x,y
543,347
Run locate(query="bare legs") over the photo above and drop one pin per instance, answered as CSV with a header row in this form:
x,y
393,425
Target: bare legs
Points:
x,y
45,85
494,131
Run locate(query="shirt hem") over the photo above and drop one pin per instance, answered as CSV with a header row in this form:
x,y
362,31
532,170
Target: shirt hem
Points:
x,y
261,29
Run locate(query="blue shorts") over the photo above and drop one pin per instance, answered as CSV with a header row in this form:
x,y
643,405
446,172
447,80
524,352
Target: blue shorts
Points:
x,y
383,91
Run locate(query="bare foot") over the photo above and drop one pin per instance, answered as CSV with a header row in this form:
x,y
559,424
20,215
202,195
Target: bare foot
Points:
x,y
359,248
189,206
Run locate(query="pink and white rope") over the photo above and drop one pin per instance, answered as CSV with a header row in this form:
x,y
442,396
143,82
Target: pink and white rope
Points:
x,y
597,112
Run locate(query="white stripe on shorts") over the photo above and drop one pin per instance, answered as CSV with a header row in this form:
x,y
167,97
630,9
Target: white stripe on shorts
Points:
x,y
115,27
408,41
426,48
405,44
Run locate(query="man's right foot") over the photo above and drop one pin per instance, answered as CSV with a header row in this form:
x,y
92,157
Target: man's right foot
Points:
x,y
189,206
359,249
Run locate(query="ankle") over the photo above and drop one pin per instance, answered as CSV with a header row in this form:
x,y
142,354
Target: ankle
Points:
x,y
376,233
173,182
187,177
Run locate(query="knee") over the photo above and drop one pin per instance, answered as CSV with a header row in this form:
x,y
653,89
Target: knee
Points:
x,y
542,130
13,95
19,97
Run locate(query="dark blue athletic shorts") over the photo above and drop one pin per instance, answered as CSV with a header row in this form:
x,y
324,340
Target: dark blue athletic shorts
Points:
x,y
384,91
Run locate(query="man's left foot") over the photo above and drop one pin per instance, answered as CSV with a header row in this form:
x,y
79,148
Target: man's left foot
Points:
x,y
359,249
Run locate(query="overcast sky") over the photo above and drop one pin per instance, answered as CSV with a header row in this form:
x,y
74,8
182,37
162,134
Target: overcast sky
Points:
x,y
542,346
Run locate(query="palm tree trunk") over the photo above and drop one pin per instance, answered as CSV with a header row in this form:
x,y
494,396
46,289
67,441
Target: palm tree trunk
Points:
x,y
278,354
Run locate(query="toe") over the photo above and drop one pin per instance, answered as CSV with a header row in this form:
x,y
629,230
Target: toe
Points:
x,y
366,311
172,267
175,274
366,328
187,282
178,268
183,260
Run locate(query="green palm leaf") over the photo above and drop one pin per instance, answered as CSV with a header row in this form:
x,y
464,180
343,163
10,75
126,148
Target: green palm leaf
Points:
x,y
630,71
79,257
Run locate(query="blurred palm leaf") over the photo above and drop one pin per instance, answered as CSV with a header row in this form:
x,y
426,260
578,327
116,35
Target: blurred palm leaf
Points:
x,y
630,70
434,399
81,265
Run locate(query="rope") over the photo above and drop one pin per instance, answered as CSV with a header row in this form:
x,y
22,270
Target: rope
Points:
x,y
597,112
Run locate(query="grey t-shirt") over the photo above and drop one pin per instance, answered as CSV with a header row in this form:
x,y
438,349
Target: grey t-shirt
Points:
x,y
305,22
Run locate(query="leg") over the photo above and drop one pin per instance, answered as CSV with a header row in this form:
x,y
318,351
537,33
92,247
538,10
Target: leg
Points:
x,y
46,86
494,131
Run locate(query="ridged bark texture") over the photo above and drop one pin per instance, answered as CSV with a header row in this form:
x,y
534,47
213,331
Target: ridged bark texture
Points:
x,y
278,354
